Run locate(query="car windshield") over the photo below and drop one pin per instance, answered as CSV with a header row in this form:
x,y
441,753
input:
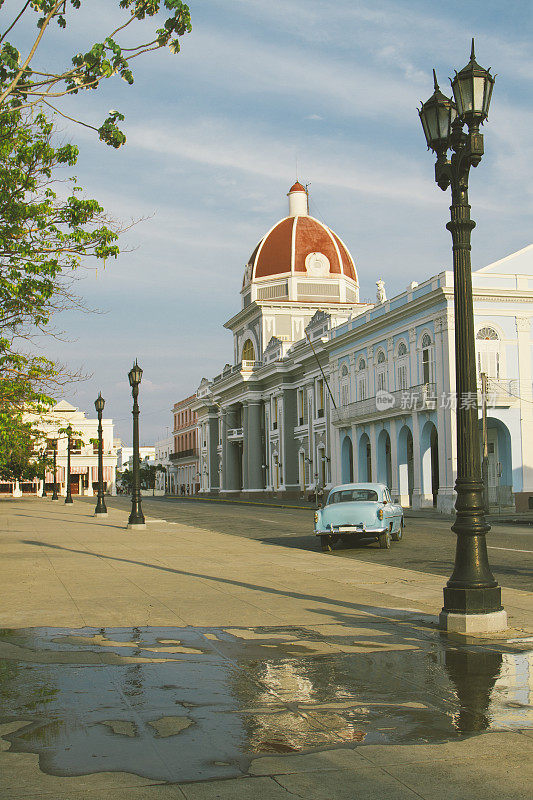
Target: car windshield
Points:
x,y
353,496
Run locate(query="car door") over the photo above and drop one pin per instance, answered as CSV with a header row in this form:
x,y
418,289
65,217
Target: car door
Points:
x,y
393,511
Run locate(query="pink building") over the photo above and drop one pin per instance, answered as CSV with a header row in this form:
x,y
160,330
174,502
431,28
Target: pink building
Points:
x,y
185,477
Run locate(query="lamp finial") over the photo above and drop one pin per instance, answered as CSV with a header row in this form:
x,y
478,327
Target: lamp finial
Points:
x,y
435,82
472,52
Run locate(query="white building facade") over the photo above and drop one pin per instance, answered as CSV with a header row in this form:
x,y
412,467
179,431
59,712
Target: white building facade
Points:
x,y
83,455
393,373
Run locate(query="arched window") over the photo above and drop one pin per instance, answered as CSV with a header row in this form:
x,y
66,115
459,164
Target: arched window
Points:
x,y
361,379
402,366
487,333
489,357
427,365
248,351
345,385
381,374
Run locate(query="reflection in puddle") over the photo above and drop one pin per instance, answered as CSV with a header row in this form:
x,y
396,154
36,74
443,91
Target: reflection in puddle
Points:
x,y
191,704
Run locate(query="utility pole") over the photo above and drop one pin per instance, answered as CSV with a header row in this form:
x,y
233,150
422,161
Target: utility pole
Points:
x,y
485,459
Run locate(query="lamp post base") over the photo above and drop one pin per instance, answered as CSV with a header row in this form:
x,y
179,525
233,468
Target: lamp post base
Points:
x,y
54,498
136,526
492,622
101,514
69,500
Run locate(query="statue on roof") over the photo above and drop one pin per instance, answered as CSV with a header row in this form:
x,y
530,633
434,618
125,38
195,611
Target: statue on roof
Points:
x,y
381,293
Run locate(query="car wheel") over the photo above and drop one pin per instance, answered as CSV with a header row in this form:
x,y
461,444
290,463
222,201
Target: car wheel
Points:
x,y
385,540
325,544
397,535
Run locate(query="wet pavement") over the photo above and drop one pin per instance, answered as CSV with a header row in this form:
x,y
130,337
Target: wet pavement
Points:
x,y
193,704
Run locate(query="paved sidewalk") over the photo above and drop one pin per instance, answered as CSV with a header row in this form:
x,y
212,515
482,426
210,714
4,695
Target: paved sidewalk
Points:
x,y
183,663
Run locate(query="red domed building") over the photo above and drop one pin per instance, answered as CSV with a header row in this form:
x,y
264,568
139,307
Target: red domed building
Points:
x,y
299,282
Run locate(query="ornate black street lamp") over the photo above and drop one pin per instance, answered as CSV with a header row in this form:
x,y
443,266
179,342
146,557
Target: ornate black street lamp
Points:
x,y
472,597
54,491
43,456
68,431
136,518
100,510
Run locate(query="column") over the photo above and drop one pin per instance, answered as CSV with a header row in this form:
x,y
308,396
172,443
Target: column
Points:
x,y
232,454
245,446
335,455
255,455
523,330
395,489
213,477
355,454
373,453
290,450
416,461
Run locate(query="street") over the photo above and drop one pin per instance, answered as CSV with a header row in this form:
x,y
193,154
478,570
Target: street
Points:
x,y
427,545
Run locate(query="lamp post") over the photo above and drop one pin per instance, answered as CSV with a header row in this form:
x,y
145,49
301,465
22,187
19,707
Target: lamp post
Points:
x,y
472,597
54,491
100,510
136,518
68,496
43,456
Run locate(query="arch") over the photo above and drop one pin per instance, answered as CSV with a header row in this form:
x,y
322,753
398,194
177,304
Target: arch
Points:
x,y
402,348
487,332
364,459
500,463
425,339
361,364
429,462
384,469
381,357
248,351
347,459
405,465
344,371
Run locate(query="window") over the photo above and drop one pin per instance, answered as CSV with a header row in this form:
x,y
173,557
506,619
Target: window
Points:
x,y
381,357
345,386
488,352
402,349
300,406
427,359
361,365
361,388
320,397
381,381
274,413
248,351
353,496
402,376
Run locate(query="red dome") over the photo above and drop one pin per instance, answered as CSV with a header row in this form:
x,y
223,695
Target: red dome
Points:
x,y
297,187
286,246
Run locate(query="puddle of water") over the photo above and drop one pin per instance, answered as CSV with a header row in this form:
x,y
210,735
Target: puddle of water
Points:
x,y
210,700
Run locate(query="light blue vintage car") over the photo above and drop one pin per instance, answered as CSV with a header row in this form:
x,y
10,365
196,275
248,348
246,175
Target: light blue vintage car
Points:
x,y
364,510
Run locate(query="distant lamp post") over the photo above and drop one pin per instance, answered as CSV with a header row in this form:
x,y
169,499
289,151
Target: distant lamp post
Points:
x,y
43,457
100,510
68,431
472,597
54,491
136,519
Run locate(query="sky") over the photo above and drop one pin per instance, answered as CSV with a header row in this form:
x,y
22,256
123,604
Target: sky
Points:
x,y
261,94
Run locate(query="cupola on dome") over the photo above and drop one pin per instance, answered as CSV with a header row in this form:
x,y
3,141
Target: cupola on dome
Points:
x,y
303,258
